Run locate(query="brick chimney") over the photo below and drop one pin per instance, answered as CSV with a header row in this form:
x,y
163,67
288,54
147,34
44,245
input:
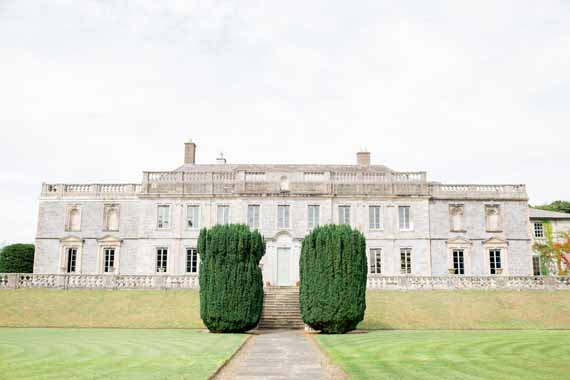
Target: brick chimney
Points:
x,y
363,158
189,153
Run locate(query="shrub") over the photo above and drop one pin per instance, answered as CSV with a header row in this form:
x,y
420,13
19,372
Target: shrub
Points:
x,y
333,272
17,258
231,284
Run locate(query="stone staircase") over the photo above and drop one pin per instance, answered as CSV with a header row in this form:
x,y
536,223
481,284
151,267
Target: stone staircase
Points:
x,y
281,308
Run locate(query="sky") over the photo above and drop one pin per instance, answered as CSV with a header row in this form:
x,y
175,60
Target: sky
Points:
x,y
98,91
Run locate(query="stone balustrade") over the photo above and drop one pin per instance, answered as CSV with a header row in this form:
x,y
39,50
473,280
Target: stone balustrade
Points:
x,y
97,281
454,282
190,281
441,191
329,182
349,182
90,191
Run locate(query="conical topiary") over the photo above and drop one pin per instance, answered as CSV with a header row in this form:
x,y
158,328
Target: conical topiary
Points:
x,y
231,284
333,272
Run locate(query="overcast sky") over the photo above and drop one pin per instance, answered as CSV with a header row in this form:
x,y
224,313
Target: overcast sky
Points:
x,y
98,91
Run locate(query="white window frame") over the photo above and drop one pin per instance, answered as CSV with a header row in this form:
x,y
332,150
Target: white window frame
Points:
x,y
375,263
311,222
196,216
109,250
463,259
68,251
374,225
281,223
225,216
158,217
410,226
64,245
500,261
535,230
408,268
496,243
342,216
105,243
186,251
253,219
466,246
168,260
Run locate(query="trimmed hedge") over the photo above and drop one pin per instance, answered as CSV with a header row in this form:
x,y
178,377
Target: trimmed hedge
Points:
x,y
17,258
231,284
333,271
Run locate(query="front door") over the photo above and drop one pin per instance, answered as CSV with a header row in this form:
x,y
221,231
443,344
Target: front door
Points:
x,y
283,260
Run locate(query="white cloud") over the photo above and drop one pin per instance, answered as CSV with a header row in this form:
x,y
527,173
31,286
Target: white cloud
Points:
x,y
101,90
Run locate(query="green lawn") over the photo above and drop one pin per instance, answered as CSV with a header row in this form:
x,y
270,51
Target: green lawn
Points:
x,y
172,309
385,310
117,354
447,355
466,309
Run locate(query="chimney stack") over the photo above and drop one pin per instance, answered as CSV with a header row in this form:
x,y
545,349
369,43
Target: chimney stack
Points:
x,y
189,153
363,158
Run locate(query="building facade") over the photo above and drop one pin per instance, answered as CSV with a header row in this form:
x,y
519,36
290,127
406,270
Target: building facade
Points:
x,y
540,220
412,226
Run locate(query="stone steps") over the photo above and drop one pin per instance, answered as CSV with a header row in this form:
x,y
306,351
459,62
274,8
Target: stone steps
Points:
x,y
281,309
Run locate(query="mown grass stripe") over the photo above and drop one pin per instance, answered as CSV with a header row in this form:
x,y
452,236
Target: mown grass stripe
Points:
x,y
81,354
451,355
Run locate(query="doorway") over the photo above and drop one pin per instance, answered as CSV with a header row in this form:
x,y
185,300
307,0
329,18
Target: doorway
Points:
x,y
283,266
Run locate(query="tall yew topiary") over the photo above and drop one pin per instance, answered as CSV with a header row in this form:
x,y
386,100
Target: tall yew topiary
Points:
x,y
231,284
333,271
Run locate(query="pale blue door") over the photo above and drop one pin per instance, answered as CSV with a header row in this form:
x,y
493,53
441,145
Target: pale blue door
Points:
x,y
283,266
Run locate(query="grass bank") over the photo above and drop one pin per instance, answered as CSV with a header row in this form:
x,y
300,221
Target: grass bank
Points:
x,y
449,310
113,354
451,355
100,308
427,310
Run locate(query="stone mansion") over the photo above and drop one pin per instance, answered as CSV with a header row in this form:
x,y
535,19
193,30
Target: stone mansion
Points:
x,y
412,226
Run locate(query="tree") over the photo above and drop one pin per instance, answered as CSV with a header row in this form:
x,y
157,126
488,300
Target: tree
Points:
x,y
231,284
333,272
17,258
554,250
558,206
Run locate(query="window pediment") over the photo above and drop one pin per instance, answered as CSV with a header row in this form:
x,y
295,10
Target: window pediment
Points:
x,y
495,242
71,239
459,241
108,240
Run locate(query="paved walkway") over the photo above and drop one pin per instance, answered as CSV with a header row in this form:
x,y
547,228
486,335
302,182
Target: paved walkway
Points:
x,y
280,355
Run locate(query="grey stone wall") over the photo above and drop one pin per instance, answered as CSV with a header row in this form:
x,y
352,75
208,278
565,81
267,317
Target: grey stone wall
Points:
x,y
514,231
140,236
